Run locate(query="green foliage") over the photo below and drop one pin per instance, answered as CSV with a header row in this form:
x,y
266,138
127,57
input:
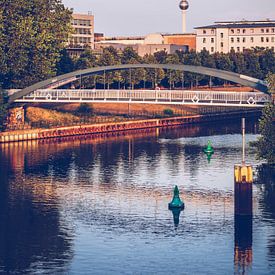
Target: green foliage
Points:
x,y
84,109
168,112
266,143
3,108
32,35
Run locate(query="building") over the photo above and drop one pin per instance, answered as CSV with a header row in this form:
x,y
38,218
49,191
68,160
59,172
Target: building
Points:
x,y
186,39
83,36
151,43
236,35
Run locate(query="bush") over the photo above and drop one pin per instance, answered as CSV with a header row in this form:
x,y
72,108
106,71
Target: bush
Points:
x,y
168,112
84,110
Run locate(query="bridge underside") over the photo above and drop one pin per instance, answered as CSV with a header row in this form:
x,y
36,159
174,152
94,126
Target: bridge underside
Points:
x,y
169,97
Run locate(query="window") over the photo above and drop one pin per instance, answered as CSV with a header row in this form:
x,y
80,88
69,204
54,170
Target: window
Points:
x,y
244,31
272,48
262,39
267,39
238,39
238,30
232,31
204,31
204,48
232,48
272,30
212,40
262,30
204,40
212,31
272,39
221,44
252,39
212,49
243,39
243,48
238,49
221,34
252,30
267,30
232,39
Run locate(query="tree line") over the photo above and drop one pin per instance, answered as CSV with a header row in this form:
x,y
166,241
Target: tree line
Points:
x,y
257,62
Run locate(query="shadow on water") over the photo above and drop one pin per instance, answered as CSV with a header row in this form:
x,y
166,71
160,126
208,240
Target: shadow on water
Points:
x,y
30,235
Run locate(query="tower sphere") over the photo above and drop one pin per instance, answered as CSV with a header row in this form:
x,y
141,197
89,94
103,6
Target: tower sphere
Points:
x,y
184,5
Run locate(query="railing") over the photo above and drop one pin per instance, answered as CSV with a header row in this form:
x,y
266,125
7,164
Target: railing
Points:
x,y
218,98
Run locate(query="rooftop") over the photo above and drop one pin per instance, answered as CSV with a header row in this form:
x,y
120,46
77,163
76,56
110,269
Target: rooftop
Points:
x,y
240,24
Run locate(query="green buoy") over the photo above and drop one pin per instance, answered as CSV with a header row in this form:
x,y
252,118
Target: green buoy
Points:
x,y
176,203
209,149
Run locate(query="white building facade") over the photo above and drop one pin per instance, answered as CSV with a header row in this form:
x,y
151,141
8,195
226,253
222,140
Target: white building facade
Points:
x,y
83,36
238,36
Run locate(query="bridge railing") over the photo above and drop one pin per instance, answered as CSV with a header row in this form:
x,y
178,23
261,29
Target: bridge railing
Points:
x,y
147,96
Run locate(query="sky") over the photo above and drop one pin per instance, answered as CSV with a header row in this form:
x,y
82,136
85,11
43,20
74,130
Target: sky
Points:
x,y
141,17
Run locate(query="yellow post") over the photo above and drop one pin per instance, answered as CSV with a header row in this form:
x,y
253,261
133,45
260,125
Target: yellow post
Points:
x,y
243,177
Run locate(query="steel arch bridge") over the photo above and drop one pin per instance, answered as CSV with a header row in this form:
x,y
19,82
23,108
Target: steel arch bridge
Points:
x,y
45,91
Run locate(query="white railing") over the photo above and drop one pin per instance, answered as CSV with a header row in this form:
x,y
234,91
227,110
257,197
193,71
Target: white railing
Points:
x,y
220,98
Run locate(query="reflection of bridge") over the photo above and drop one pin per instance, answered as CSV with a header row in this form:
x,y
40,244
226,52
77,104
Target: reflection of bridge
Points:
x,y
45,91
181,97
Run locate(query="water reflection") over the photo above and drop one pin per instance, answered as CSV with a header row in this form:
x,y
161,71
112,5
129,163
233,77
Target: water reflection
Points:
x,y
31,234
87,201
243,253
266,182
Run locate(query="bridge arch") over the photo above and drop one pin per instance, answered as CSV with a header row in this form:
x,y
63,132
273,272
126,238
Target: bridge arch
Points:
x,y
71,77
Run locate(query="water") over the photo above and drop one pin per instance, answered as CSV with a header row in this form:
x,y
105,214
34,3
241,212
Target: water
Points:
x,y
99,205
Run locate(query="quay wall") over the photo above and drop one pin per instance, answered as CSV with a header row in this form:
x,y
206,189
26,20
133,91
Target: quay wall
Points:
x,y
34,134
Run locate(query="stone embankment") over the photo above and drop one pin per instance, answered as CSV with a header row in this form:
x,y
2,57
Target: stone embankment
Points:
x,y
35,134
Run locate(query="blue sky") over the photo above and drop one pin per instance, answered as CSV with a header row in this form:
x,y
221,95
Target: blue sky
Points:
x,y
139,17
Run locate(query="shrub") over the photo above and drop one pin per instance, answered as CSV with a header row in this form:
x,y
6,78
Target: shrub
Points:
x,y
168,112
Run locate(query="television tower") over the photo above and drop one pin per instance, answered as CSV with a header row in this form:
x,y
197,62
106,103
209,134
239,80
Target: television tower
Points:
x,y
184,5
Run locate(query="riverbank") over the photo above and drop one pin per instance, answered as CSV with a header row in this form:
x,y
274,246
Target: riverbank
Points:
x,y
34,134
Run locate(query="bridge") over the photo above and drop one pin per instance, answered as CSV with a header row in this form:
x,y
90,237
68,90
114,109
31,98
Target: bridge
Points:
x,y
46,91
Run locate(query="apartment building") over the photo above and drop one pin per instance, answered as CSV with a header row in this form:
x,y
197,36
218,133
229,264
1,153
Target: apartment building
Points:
x,y
236,35
83,36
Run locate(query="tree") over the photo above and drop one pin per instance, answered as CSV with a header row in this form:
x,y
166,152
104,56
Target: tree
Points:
x,y
153,76
192,58
32,35
3,108
65,63
266,143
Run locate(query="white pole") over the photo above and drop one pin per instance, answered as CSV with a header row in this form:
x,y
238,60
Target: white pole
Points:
x,y
183,21
243,132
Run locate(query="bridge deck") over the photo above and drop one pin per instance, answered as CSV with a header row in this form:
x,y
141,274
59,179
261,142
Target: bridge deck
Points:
x,y
181,97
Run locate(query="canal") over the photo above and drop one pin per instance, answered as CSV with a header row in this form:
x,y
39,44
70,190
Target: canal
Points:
x,y
99,205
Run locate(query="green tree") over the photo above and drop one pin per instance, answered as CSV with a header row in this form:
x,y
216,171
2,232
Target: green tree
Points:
x,y
153,76
266,143
32,35
172,75
267,62
3,108
192,58
109,57
65,63
252,64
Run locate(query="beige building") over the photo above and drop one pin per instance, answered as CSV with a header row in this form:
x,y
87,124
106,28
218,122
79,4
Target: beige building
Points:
x,y
238,36
83,37
148,44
